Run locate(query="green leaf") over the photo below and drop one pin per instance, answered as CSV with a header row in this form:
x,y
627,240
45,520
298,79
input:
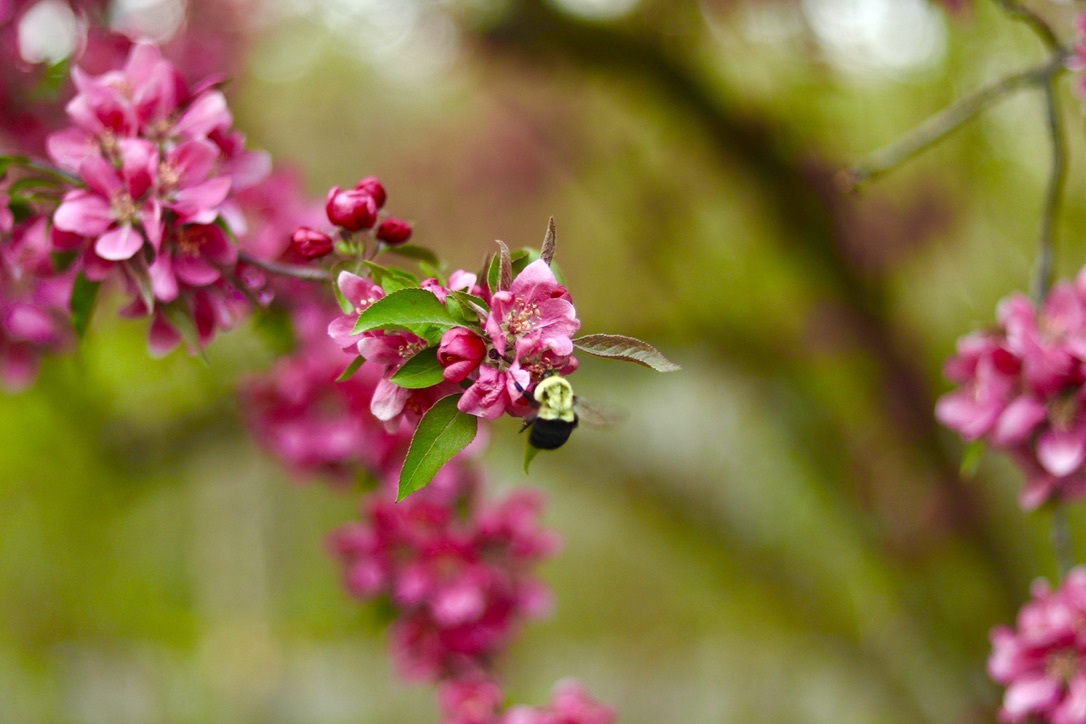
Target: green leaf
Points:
x,y
351,369
415,310
971,458
442,432
275,328
473,310
411,251
616,346
84,295
391,280
422,370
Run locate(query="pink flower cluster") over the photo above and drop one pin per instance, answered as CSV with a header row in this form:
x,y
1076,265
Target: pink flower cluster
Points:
x,y
34,317
460,583
1041,662
158,161
477,700
1020,389
527,332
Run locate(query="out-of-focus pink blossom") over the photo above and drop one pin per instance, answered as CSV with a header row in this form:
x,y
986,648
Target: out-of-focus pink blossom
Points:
x,y
1021,389
310,243
1040,662
458,572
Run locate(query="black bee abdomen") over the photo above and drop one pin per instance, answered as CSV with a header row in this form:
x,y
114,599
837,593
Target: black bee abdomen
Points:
x,y
550,434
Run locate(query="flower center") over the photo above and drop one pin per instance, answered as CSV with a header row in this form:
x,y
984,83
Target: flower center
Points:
x,y
410,349
1062,664
190,239
168,176
521,318
123,207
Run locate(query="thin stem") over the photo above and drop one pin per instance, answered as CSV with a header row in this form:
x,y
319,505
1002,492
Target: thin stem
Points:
x,y
947,121
1061,541
1042,280
1036,23
290,270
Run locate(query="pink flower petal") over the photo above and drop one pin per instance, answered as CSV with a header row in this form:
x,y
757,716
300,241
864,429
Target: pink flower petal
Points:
x,y
1018,420
83,213
119,244
1029,694
1061,452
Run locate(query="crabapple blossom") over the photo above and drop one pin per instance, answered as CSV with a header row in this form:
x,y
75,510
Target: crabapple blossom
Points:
x,y
460,353
351,209
457,571
1040,662
394,231
1020,389
310,243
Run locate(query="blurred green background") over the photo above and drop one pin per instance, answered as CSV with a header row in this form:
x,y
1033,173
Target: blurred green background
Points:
x,y
778,533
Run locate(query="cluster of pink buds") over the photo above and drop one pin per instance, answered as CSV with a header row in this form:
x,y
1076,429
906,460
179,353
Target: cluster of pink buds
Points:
x,y
1021,389
1041,663
357,215
157,163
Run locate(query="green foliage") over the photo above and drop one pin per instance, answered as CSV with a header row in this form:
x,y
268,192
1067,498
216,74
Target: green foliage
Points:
x,y
421,371
84,296
414,310
617,346
442,432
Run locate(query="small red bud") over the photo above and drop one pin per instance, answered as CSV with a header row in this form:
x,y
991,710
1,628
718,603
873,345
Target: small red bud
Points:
x,y
374,188
310,243
394,231
352,209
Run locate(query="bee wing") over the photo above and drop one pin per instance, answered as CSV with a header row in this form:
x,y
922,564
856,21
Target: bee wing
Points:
x,y
597,414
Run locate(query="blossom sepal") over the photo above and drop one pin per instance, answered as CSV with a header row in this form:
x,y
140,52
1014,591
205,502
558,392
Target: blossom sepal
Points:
x,y
442,433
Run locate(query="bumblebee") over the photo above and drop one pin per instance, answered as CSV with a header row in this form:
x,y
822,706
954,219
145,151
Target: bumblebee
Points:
x,y
557,412
555,417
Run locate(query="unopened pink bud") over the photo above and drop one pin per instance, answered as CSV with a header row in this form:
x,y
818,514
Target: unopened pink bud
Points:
x,y
374,188
352,209
394,231
460,352
310,243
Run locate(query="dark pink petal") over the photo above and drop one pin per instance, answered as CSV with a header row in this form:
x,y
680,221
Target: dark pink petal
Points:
x,y
162,338
139,165
1061,452
83,213
358,291
340,330
247,168
195,271
119,244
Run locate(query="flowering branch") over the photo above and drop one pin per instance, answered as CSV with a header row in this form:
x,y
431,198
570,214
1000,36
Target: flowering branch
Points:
x,y
1042,281
941,125
288,270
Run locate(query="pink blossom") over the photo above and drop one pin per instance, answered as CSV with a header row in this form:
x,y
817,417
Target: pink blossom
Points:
x,y
352,209
116,209
459,573
460,353
1020,389
360,292
1041,661
496,392
196,255
535,314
